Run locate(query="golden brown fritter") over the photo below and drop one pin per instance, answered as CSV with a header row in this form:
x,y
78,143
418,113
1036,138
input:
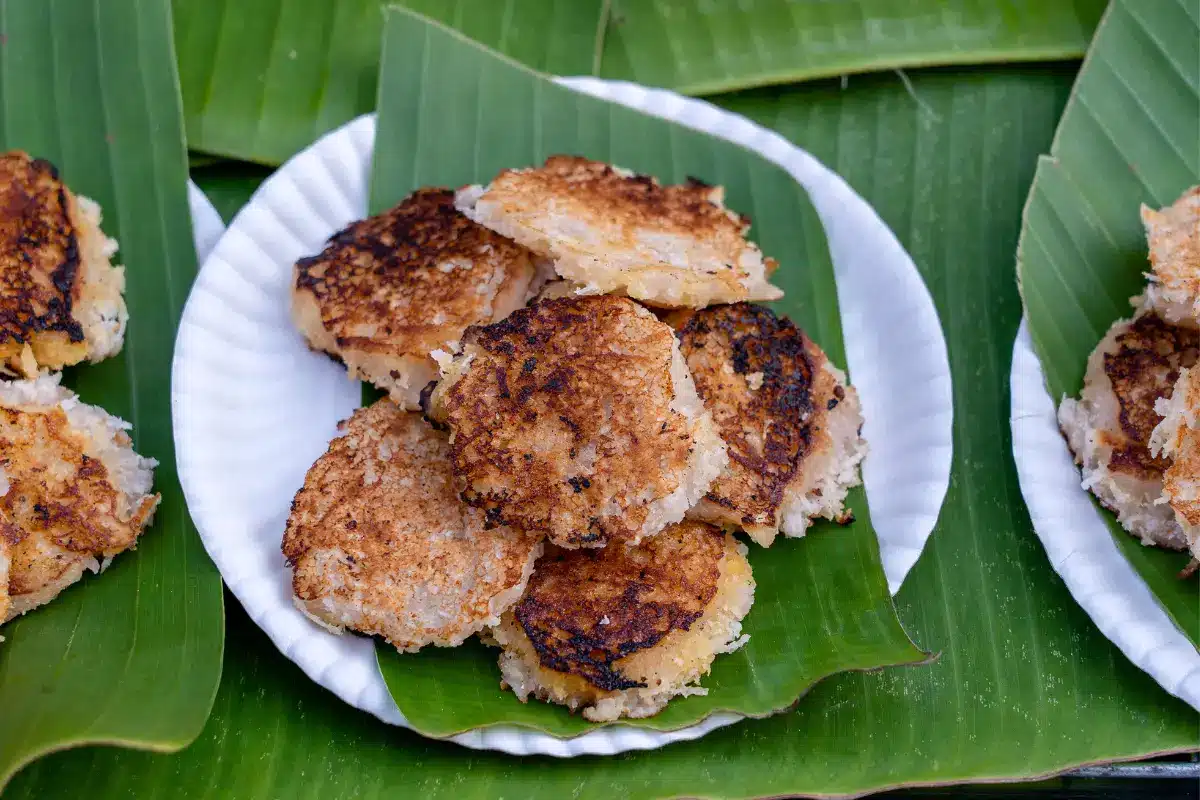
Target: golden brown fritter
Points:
x,y
1109,428
622,630
643,592
74,492
380,543
1177,440
60,299
790,424
1173,234
577,417
617,232
389,290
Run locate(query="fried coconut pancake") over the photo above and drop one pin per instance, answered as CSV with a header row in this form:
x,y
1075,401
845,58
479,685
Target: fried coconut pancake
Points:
x,y
1174,237
577,417
380,543
1109,427
618,632
5,560
620,233
389,290
60,298
73,493
790,422
1177,438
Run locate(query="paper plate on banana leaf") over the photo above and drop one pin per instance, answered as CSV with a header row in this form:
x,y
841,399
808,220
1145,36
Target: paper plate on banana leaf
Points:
x,y
255,407
1127,145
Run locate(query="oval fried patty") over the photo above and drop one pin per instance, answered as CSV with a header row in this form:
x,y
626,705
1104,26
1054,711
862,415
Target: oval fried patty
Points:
x,y
577,417
620,630
617,232
789,421
72,491
1109,427
380,543
389,290
5,560
60,298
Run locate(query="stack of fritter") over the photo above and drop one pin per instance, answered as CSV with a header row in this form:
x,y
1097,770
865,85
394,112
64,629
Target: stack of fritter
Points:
x,y
615,412
73,494
1135,429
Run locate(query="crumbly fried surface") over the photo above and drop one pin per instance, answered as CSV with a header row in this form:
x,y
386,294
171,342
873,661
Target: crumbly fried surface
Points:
x,y
790,423
1173,234
380,543
60,298
1109,428
577,417
617,232
5,560
620,631
1177,439
389,290
74,492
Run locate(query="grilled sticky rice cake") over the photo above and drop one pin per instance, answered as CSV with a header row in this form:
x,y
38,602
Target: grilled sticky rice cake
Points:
x,y
380,543
786,414
60,298
620,631
389,290
1109,427
1177,439
616,232
73,493
1173,234
577,417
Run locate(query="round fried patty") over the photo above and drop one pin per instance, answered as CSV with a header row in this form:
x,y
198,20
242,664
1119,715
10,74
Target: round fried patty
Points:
x,y
577,417
380,543
389,290
620,630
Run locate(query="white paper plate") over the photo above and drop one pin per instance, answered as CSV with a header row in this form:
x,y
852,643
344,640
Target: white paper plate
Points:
x,y
254,407
207,226
1079,542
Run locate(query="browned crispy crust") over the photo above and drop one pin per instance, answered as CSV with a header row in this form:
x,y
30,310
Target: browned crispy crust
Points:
x,y
39,255
564,411
584,610
1143,368
757,373
383,284
58,496
378,533
636,200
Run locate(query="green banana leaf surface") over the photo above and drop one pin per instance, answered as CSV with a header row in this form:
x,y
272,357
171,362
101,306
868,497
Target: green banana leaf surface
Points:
x,y
132,656
703,46
263,78
1130,135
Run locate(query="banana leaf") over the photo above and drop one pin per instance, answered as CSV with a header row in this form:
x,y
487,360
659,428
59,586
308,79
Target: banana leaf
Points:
x,y
840,610
1025,685
703,47
133,656
1130,135
263,78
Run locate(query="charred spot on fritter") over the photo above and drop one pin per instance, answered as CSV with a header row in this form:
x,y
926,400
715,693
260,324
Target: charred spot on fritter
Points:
x,y
585,610
755,372
39,252
1145,367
